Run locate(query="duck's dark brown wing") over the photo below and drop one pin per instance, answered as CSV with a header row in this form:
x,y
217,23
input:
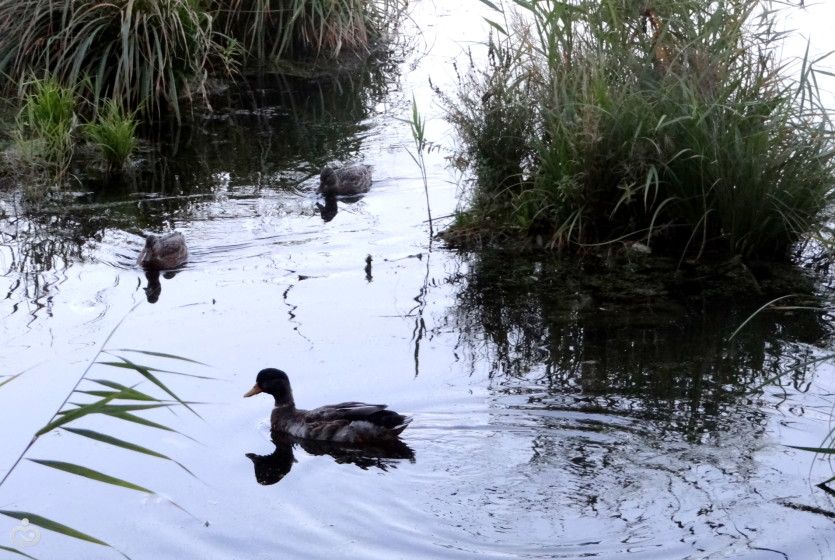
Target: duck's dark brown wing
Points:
x,y
356,411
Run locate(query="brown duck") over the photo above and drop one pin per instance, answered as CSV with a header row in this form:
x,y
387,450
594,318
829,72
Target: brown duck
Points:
x,y
351,179
163,252
348,422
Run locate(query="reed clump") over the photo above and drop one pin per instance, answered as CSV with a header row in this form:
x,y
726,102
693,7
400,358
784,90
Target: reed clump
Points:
x,y
273,30
146,54
114,134
672,123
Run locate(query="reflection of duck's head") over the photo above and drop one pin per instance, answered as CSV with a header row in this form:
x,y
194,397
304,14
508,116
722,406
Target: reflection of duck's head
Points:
x,y
347,422
351,179
154,288
329,210
271,468
163,252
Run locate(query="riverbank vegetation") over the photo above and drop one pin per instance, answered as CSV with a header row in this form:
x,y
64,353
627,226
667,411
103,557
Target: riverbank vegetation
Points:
x,y
674,124
150,56
86,73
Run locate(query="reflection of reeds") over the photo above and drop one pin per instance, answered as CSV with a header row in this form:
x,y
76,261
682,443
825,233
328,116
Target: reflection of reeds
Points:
x,y
116,401
581,339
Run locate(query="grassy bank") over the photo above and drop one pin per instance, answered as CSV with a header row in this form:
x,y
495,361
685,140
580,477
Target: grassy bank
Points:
x,y
150,56
677,126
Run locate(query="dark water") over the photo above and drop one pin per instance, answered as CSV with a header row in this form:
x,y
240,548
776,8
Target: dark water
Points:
x,y
551,419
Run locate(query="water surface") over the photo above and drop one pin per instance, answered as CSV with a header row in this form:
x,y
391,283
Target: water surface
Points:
x,y
551,419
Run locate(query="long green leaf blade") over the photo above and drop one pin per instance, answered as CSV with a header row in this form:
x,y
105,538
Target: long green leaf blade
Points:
x,y
160,355
145,372
16,551
91,474
50,525
104,438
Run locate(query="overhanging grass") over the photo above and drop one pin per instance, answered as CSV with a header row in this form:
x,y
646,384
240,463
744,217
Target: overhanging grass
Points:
x,y
145,54
274,29
676,126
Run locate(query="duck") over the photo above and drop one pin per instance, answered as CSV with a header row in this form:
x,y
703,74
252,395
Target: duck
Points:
x,y
351,179
163,252
348,422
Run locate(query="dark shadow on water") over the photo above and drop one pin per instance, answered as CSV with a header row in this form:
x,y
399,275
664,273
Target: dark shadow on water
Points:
x,y
271,468
613,339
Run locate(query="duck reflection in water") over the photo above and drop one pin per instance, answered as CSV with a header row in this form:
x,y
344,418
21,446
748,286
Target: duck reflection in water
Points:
x,y
271,468
329,210
154,288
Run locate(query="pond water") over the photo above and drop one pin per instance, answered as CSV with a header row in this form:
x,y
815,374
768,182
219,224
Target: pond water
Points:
x,y
550,420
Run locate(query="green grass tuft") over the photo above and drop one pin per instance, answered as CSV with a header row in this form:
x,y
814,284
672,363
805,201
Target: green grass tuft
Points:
x,y
114,132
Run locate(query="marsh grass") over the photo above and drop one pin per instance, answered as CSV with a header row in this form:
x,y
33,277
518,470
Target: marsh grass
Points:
x,y
147,55
677,126
46,123
114,133
417,126
270,30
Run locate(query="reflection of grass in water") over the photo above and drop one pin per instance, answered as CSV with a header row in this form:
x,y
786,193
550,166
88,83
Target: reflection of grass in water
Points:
x,y
827,446
116,401
583,340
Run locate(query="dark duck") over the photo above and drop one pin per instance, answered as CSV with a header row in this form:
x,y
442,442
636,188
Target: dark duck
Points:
x,y
347,422
348,180
163,252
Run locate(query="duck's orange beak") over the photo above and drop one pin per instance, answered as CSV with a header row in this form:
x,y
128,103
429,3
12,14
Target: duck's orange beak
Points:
x,y
254,391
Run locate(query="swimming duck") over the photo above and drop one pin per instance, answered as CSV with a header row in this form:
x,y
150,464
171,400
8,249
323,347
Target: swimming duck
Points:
x,y
351,179
348,422
163,252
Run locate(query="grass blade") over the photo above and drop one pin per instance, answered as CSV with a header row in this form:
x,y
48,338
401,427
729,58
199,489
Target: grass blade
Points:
x,y
146,373
160,355
16,551
91,474
128,366
50,525
104,438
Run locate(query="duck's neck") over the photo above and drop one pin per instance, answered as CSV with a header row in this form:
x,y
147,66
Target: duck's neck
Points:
x,y
285,402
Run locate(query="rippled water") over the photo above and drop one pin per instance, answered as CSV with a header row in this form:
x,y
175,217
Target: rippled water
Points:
x,y
551,420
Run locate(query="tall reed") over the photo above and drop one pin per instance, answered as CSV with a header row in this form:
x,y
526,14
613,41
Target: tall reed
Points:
x,y
676,124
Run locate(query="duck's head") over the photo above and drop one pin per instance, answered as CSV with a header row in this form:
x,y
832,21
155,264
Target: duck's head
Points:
x,y
273,382
327,178
151,249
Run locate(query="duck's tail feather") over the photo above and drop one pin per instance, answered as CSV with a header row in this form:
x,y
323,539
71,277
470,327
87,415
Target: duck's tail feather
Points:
x,y
395,431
